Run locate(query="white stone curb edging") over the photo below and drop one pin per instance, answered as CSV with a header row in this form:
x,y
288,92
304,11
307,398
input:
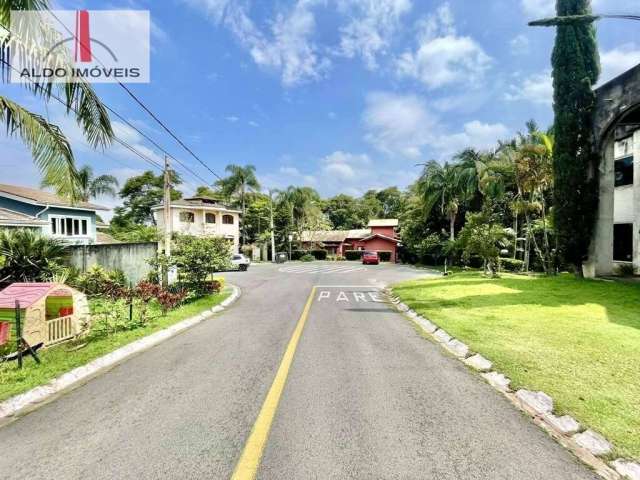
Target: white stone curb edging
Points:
x,y
27,401
587,445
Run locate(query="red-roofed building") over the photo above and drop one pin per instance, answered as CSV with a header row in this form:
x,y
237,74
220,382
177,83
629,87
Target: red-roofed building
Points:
x,y
380,237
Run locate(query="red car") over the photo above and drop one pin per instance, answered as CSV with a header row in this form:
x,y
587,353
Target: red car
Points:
x,y
370,258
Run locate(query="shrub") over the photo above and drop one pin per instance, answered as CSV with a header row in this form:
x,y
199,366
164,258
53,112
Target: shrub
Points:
x,y
298,254
353,255
319,254
625,270
385,256
29,256
99,281
198,257
307,258
511,265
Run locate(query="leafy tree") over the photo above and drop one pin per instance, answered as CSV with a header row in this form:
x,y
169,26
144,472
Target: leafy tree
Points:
x,y
132,233
241,180
343,211
299,210
392,202
483,237
49,146
140,193
29,256
198,257
86,188
576,69
204,191
257,216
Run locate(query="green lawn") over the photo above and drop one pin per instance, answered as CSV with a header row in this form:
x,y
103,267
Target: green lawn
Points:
x,y
577,340
58,360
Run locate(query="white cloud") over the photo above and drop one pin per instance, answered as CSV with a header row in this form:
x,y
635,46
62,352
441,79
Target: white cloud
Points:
x,y
442,57
344,166
398,123
619,60
537,89
539,8
284,46
231,118
403,125
371,28
520,45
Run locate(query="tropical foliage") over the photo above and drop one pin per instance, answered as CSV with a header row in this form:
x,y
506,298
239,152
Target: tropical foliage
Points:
x,y
29,256
237,185
86,188
50,148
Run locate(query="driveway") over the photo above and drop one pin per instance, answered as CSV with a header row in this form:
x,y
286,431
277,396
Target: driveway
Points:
x,y
352,391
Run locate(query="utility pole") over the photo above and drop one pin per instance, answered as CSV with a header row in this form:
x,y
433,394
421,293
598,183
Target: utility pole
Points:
x,y
273,234
167,216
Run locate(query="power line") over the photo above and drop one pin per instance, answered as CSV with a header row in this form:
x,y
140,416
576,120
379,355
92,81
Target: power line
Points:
x,y
72,108
144,107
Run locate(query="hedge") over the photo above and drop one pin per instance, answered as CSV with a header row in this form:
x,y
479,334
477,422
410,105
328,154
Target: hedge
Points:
x,y
353,254
511,264
319,254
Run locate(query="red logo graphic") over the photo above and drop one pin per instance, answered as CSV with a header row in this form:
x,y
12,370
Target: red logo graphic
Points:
x,y
83,37
83,40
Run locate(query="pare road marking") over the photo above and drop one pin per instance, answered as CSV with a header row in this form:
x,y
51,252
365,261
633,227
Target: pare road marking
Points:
x,y
348,297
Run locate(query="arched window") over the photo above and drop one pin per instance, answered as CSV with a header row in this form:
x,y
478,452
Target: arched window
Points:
x,y
210,218
227,219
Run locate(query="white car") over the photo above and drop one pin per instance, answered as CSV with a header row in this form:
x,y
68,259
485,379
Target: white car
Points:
x,y
241,262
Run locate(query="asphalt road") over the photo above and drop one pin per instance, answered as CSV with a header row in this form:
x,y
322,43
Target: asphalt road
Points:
x,y
366,398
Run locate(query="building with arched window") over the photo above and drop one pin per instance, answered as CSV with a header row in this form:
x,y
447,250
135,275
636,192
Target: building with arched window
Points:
x,y
203,217
616,239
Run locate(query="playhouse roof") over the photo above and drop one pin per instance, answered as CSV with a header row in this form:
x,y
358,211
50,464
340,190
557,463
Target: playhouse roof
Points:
x,y
29,293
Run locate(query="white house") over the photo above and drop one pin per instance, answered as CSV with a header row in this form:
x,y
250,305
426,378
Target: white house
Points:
x,y
201,217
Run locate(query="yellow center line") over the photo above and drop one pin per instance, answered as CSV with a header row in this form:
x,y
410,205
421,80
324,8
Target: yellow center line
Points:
x,y
247,466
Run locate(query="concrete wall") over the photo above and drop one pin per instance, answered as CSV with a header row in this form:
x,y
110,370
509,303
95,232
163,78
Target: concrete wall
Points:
x,y
131,258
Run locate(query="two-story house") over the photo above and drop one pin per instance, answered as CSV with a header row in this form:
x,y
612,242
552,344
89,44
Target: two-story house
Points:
x,y
54,216
202,217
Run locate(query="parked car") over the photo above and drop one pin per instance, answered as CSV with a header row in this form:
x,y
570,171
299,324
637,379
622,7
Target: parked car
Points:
x,y
370,258
241,262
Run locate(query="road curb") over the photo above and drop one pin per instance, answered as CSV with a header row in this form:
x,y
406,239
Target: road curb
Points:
x,y
537,405
24,402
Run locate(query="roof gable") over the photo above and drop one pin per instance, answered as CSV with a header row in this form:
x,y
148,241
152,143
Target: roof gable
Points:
x,y
40,197
29,293
383,222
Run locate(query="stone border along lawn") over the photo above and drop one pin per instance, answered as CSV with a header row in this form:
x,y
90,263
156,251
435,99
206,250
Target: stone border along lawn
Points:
x,y
576,340
50,378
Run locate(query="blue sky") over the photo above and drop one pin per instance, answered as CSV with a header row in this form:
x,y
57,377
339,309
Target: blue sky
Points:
x,y
340,95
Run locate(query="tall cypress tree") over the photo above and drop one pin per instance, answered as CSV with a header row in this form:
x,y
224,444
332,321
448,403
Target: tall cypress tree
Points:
x,y
576,67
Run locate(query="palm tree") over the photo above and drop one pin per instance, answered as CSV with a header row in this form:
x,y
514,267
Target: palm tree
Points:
x,y
302,205
49,146
240,181
441,185
87,187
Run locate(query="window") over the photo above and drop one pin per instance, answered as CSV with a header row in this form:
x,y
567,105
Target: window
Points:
x,y
227,219
187,217
623,242
210,218
624,172
69,226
